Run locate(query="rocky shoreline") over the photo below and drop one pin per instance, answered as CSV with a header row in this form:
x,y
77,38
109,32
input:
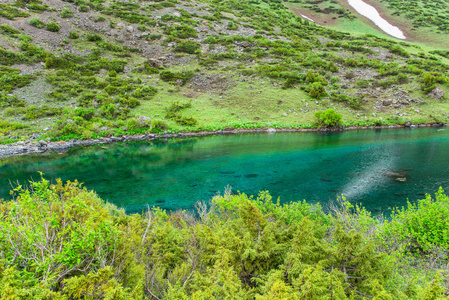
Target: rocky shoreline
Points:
x,y
41,146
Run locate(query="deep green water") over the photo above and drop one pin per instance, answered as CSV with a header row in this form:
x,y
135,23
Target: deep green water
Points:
x,y
318,167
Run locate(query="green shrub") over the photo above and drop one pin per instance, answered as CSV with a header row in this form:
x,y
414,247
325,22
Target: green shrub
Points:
x,y
317,91
60,241
430,79
399,51
142,27
83,8
66,13
402,78
36,23
175,76
58,63
328,118
85,113
6,127
74,35
99,19
351,101
420,227
159,125
182,31
190,47
93,37
8,30
53,27
232,26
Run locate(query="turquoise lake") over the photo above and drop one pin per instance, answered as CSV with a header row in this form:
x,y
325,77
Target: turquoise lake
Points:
x,y
318,167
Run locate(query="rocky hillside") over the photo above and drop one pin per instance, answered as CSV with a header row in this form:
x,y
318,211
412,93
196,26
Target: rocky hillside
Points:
x,y
79,69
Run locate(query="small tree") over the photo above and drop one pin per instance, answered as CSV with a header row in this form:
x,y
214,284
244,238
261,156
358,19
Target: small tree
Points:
x,y
327,118
317,91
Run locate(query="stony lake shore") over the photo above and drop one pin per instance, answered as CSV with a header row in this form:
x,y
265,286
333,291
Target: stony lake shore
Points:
x,y
36,146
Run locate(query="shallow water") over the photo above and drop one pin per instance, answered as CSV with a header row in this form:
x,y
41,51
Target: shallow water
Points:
x,y
318,167
371,13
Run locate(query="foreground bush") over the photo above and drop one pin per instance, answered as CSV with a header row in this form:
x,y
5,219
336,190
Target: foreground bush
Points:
x,y
327,118
60,241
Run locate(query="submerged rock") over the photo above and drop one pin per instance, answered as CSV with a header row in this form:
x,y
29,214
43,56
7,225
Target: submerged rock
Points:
x,y
251,175
394,174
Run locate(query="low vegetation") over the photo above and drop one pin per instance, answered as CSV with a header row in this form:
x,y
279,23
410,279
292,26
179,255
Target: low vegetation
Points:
x,y
60,241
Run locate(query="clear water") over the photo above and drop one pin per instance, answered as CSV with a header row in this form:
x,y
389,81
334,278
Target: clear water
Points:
x,y
371,13
174,174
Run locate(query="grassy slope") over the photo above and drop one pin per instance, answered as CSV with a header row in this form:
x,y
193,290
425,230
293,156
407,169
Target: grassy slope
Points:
x,y
233,86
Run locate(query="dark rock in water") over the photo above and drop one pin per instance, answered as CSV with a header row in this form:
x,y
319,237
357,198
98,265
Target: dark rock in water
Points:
x,y
421,194
160,201
406,169
193,184
251,175
400,194
326,180
237,176
394,174
227,172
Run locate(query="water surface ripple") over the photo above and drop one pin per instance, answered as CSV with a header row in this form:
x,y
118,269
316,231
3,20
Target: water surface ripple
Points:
x,y
174,174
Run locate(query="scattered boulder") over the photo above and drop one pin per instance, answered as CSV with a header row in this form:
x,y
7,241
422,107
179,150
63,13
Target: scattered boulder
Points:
x,y
155,63
437,93
144,121
271,130
104,128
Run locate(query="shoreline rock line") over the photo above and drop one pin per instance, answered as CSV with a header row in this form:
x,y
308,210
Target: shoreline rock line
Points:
x,y
41,146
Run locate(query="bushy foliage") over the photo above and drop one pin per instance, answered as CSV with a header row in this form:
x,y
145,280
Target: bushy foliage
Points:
x,y
54,27
8,30
317,90
73,35
328,118
36,23
430,79
66,13
190,47
181,77
93,37
421,226
60,241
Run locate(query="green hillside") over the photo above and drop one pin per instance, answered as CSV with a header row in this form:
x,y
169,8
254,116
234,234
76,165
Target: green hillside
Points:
x,y
85,69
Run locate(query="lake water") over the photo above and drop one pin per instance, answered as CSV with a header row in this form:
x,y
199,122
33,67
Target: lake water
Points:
x,y
371,13
174,174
